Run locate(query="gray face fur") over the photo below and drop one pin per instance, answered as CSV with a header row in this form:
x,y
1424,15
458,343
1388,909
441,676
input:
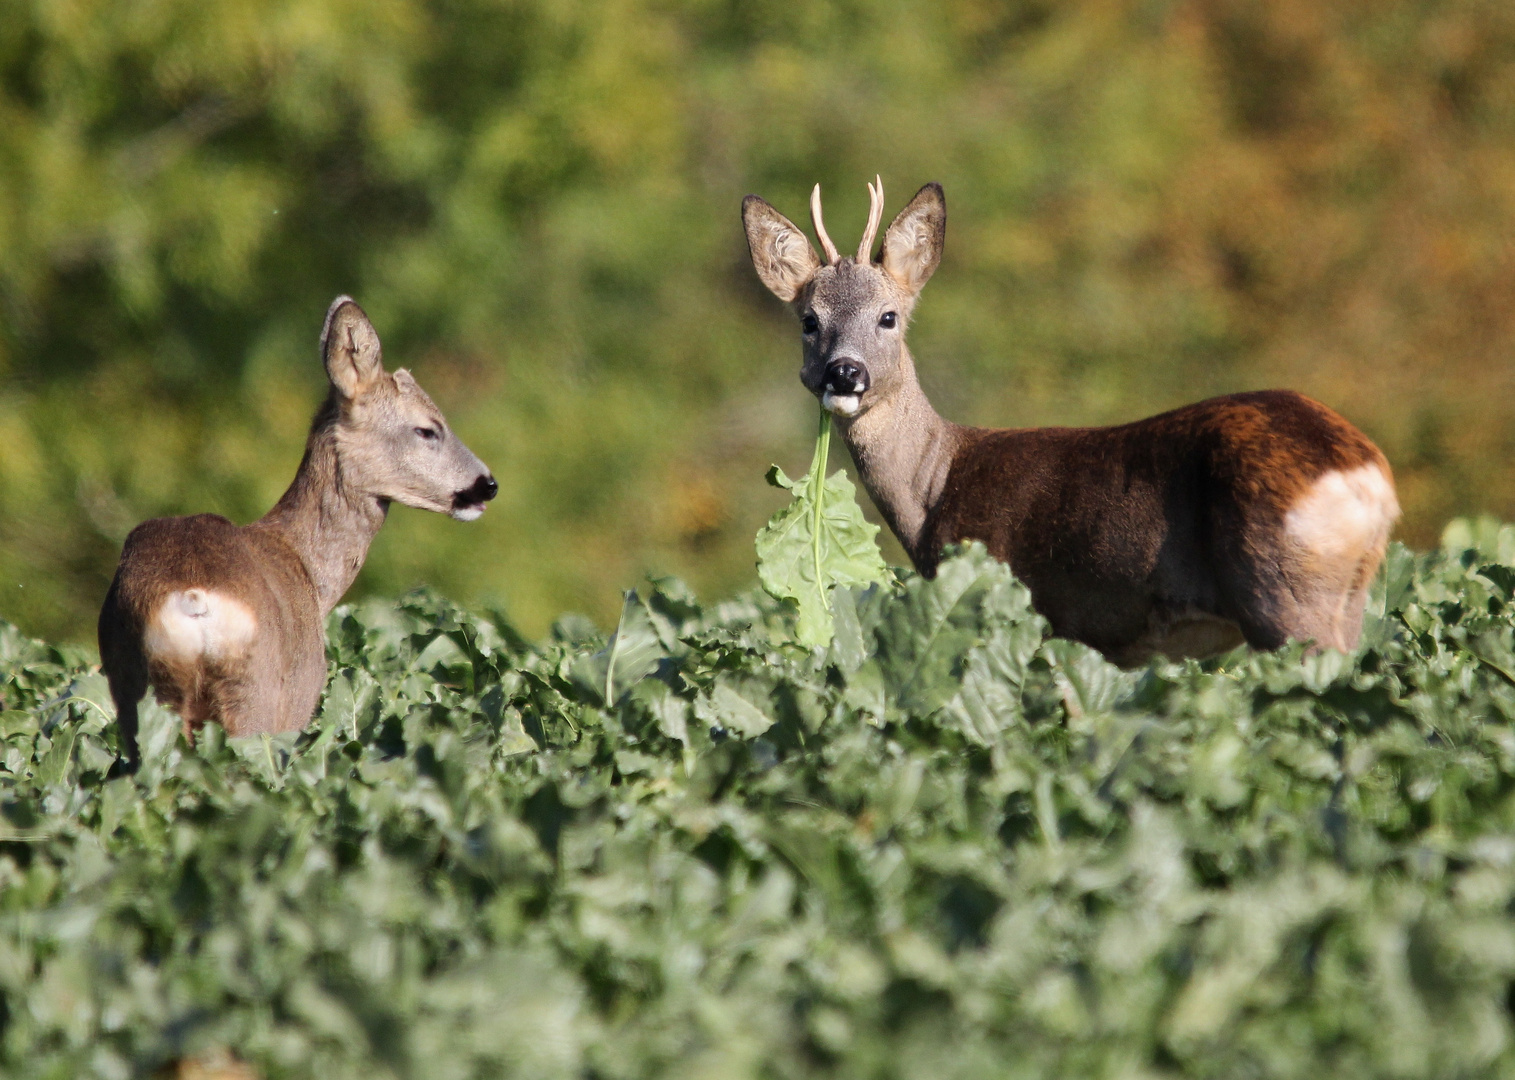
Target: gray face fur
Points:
x,y
852,313
852,329
393,442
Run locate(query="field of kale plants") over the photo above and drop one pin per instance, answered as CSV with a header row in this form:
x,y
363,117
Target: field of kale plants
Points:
x,y
940,845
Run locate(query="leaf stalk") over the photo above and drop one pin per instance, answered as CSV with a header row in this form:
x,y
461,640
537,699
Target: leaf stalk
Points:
x,y
817,493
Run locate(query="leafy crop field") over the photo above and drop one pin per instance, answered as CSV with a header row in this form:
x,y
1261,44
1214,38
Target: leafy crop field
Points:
x,y
942,845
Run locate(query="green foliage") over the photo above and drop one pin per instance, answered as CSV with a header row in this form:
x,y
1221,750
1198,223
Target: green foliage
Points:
x,y
820,541
944,846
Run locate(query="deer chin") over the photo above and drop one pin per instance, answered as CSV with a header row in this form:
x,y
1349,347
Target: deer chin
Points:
x,y
844,405
470,511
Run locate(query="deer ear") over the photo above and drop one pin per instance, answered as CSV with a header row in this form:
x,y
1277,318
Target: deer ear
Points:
x,y
350,348
913,245
781,254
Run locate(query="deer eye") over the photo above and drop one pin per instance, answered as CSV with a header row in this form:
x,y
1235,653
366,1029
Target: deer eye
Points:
x,y
810,324
428,433
888,319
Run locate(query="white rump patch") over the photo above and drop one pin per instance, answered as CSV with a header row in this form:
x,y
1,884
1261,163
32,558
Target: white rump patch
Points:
x,y
195,624
840,404
1344,513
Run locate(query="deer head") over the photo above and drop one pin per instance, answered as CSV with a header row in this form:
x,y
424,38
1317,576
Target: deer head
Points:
x,y
392,441
852,310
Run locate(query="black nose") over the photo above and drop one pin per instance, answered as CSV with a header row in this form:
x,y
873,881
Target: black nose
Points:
x,y
480,491
845,377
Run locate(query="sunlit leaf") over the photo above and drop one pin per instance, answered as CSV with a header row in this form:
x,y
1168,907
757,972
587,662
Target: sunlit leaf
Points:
x,y
818,542
631,655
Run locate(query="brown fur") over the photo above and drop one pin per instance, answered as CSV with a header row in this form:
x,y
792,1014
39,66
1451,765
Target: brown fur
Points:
x,y
226,622
1182,534
1116,530
284,671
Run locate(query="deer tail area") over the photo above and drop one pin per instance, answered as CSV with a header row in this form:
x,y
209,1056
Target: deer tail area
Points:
x,y
193,626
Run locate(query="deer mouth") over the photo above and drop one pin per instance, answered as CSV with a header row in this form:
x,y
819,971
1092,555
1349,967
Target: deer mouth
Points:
x,y
468,504
841,404
843,387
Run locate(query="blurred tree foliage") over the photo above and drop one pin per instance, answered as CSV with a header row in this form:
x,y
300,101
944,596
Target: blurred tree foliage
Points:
x,y
537,202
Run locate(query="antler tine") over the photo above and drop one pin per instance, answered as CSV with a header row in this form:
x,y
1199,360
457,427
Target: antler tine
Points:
x,y
820,229
875,215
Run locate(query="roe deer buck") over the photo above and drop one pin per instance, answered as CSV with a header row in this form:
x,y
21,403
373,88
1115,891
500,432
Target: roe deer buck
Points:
x,y
227,622
1258,517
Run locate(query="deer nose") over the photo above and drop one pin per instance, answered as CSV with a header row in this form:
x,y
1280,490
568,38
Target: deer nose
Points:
x,y
845,377
468,504
480,491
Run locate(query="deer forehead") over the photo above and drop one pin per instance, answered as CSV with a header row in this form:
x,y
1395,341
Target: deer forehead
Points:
x,y
404,400
849,288
412,394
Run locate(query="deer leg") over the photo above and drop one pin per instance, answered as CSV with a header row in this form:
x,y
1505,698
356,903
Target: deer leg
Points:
x,y
1255,594
1274,607
250,695
1332,590
1280,588
1317,603
127,693
1355,601
125,670
1334,537
1321,624
1350,625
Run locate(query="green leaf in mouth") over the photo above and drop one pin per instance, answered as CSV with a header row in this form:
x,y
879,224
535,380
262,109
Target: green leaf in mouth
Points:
x,y
817,542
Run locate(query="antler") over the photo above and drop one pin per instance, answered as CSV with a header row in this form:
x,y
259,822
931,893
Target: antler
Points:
x,y
827,247
875,215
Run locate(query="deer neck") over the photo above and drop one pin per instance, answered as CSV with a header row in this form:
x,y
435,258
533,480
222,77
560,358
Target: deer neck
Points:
x,y
903,451
326,519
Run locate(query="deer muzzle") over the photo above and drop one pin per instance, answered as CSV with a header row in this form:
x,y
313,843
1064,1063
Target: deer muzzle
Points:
x,y
469,503
843,386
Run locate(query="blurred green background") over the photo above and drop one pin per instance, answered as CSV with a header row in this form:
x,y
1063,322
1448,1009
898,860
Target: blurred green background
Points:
x,y
537,203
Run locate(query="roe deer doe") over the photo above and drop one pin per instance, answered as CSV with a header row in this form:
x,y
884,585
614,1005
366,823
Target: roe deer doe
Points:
x,y
227,622
1259,517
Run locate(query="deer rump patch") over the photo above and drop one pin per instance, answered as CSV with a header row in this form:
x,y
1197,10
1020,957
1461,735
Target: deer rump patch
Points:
x,y
192,625
1344,513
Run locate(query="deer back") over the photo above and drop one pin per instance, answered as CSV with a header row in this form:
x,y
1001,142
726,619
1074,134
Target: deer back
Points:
x,y
1100,522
